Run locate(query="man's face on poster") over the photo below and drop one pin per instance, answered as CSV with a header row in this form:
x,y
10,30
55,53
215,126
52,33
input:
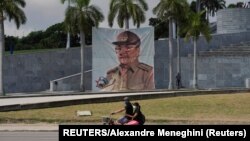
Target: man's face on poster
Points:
x,y
127,54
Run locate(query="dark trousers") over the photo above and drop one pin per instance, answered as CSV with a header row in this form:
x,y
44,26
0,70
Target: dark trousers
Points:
x,y
178,84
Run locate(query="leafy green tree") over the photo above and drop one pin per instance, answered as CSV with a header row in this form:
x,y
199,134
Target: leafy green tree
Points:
x,y
180,23
10,41
239,4
232,5
212,6
53,37
160,26
193,29
170,10
31,41
194,8
11,9
68,28
124,10
83,16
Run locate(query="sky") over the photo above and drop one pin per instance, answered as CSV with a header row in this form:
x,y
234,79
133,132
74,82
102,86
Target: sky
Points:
x,y
44,13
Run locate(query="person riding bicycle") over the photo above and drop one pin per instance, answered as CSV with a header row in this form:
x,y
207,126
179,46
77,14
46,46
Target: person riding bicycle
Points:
x,y
138,117
128,108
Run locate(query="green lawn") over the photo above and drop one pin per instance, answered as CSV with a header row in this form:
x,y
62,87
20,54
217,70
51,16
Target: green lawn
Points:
x,y
30,51
222,108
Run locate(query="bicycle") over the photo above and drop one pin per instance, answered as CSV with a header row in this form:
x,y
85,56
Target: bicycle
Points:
x,y
107,120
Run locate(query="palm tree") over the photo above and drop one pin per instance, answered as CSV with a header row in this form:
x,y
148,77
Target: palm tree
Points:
x,y
170,10
68,33
124,10
10,9
83,16
212,6
194,28
160,27
239,4
198,5
179,24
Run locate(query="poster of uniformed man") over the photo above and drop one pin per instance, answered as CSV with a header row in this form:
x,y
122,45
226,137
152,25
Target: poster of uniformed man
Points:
x,y
131,71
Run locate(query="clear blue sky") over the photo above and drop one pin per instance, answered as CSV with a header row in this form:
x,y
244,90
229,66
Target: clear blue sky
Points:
x,y
44,13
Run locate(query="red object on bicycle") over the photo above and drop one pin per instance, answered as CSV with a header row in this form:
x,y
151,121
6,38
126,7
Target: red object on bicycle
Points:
x,y
132,122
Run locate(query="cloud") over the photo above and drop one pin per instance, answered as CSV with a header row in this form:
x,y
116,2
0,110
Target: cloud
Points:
x,y
40,15
43,13
104,5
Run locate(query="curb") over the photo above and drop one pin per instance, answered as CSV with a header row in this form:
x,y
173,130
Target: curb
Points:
x,y
28,127
104,98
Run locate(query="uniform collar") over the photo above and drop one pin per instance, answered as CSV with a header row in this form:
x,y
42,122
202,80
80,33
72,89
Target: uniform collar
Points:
x,y
133,67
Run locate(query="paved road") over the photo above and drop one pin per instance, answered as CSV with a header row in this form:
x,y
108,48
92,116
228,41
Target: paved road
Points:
x,y
28,127
29,132
29,136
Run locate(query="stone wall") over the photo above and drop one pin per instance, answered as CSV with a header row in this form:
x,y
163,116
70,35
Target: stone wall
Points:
x,y
33,72
217,71
233,20
217,41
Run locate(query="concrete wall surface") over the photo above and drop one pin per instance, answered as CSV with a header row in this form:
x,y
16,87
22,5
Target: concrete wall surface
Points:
x,y
33,72
233,20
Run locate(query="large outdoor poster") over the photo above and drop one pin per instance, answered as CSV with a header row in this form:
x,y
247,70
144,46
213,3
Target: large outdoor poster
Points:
x,y
123,60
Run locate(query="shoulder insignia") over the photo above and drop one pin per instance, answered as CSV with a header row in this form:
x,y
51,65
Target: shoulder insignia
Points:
x,y
145,67
112,70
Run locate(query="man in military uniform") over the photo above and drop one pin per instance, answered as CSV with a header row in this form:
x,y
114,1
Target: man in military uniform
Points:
x,y
130,74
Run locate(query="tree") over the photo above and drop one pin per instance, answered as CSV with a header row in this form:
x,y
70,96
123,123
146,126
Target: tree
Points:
x,y
232,5
239,4
198,5
11,9
68,29
160,26
53,37
170,10
83,16
212,6
180,22
124,10
194,28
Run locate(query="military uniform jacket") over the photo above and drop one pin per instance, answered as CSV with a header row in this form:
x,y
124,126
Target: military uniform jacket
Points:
x,y
139,76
